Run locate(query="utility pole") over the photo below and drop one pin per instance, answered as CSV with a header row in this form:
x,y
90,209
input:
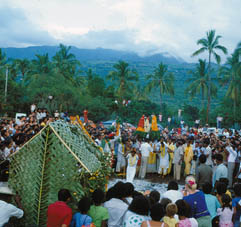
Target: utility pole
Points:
x,y
6,85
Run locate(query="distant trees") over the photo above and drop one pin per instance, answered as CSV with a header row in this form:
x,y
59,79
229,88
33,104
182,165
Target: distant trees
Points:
x,y
199,82
210,44
231,77
74,89
124,78
162,80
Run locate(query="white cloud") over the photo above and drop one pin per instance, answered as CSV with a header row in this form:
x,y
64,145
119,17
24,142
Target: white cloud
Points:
x,y
144,26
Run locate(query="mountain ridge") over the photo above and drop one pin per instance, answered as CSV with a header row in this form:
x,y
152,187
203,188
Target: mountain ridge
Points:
x,y
98,54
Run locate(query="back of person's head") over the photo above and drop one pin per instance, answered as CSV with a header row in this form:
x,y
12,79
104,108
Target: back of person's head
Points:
x,y
129,189
98,196
84,205
181,207
172,185
171,209
140,205
221,188
202,158
157,212
110,194
224,180
155,196
207,188
64,195
226,201
119,190
136,193
219,158
190,182
237,189
165,202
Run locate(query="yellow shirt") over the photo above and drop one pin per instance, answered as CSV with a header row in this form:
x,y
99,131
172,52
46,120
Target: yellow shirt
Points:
x,y
170,221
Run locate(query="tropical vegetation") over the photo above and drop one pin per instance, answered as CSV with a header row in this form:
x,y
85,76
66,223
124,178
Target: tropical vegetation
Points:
x,y
62,83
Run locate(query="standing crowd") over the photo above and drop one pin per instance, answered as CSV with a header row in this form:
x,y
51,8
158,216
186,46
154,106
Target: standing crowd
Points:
x,y
209,163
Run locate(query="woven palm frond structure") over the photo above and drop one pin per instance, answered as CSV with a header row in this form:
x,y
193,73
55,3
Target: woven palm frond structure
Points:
x,y
59,156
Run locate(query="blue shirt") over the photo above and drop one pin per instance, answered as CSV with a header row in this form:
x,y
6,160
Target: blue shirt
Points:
x,y
198,204
80,219
220,172
212,204
235,202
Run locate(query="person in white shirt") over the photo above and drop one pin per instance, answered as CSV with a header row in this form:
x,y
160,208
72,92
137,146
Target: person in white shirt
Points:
x,y
131,167
172,192
116,206
145,152
208,153
8,210
121,162
232,155
164,159
177,160
33,108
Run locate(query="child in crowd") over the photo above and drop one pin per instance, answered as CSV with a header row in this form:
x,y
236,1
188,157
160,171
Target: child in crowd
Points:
x,y
225,213
182,214
154,197
164,203
235,204
81,218
98,213
157,213
221,189
169,219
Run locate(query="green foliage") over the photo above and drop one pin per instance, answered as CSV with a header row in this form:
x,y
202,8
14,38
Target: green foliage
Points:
x,y
123,77
60,156
210,44
76,86
162,80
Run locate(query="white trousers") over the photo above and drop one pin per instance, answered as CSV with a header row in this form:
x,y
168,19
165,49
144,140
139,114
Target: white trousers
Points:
x,y
144,162
130,173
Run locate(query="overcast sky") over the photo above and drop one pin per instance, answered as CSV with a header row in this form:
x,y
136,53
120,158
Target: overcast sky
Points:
x,y
143,26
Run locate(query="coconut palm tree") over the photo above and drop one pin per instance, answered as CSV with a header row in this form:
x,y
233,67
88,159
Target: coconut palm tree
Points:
x,y
198,81
231,73
66,64
210,44
123,77
161,79
23,66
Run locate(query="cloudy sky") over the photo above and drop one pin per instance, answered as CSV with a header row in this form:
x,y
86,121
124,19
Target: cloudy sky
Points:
x,y
143,26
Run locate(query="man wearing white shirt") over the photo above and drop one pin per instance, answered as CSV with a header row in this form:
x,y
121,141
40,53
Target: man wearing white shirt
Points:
x,y
177,160
232,155
172,192
8,210
145,152
208,153
116,206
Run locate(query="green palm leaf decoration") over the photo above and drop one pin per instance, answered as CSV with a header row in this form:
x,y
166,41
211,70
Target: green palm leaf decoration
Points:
x,y
59,156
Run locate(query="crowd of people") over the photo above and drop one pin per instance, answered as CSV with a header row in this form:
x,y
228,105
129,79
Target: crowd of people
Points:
x,y
123,206
208,163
